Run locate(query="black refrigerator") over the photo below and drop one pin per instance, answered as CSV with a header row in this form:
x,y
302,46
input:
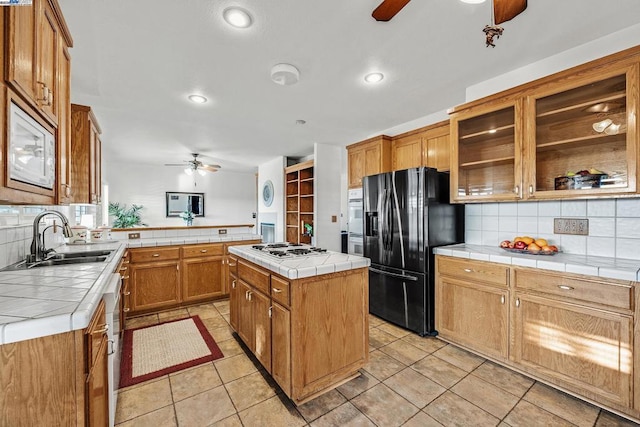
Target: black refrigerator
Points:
x,y
407,214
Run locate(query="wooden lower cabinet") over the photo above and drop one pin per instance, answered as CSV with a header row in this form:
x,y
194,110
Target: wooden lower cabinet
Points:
x,y
314,343
202,278
154,285
56,380
233,299
572,331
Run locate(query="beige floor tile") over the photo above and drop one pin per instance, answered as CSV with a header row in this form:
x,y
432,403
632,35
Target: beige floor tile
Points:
x,y
121,390
384,406
486,396
141,321
205,311
382,366
504,378
345,415
193,381
439,371
215,322
180,313
414,387
426,344
249,390
561,404
235,367
375,321
394,330
138,401
379,338
451,410
459,357
358,385
230,347
221,334
321,405
403,352
205,408
226,317
277,411
607,419
421,419
232,421
527,415
163,417
222,306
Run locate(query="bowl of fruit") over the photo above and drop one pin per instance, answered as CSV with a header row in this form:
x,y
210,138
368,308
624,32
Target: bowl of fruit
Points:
x,y
529,245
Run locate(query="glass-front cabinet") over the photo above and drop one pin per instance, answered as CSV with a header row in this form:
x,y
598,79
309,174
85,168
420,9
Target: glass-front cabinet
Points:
x,y
571,135
486,159
583,136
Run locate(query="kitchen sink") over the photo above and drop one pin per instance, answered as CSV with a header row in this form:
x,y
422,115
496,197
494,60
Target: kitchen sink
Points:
x,y
70,258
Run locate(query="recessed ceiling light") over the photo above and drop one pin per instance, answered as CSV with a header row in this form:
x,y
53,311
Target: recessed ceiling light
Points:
x,y
237,17
198,99
472,1
373,77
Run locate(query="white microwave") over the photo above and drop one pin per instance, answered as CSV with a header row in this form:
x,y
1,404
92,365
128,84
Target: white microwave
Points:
x,y
32,150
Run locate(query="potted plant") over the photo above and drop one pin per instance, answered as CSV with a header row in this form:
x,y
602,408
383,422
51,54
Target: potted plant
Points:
x,y
187,216
126,218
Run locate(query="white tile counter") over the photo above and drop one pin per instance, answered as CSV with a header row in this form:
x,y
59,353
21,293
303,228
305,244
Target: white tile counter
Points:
x,y
302,266
612,268
51,300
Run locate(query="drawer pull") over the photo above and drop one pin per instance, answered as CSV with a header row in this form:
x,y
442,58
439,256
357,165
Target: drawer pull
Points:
x,y
468,270
126,309
565,287
155,255
517,302
276,290
104,330
502,299
123,268
127,293
204,251
125,277
231,265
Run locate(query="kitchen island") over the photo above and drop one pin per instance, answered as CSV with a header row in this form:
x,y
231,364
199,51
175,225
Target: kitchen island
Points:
x,y
303,314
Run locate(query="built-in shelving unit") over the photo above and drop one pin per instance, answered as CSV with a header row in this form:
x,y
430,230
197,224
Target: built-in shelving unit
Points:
x,y
299,202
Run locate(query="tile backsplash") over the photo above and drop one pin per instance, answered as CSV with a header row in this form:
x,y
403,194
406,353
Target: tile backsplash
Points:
x,y
614,225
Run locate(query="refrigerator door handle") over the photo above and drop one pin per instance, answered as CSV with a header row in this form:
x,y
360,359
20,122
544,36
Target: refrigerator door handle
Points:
x,y
399,276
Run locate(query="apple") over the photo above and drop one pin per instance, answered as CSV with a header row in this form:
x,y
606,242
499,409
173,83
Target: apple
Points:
x,y
504,244
511,245
553,248
520,245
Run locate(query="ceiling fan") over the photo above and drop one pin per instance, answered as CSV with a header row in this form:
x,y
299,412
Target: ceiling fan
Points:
x,y
195,165
503,10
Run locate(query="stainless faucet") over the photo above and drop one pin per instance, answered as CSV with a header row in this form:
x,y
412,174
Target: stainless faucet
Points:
x,y
38,252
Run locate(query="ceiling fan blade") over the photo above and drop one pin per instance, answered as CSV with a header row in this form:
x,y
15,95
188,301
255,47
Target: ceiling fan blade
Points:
x,y
504,10
175,164
388,9
210,168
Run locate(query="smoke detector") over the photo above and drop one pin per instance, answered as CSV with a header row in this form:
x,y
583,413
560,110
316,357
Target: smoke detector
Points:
x,y
285,74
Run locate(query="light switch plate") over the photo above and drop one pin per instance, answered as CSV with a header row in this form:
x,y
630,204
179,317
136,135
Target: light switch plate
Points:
x,y
579,227
134,235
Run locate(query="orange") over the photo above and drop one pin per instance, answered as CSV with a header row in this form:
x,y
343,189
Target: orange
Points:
x,y
541,242
517,239
528,240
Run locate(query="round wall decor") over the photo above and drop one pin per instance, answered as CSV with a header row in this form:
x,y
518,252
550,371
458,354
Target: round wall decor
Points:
x,y
267,193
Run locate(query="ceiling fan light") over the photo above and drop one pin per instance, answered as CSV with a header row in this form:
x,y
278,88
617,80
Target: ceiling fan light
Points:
x,y
373,77
237,17
473,1
188,171
202,172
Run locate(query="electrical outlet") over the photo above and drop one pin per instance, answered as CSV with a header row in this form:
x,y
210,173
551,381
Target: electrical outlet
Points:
x,y
222,231
134,235
334,218
579,227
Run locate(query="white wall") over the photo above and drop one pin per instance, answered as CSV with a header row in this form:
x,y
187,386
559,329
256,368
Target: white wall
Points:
x,y
230,197
328,195
274,171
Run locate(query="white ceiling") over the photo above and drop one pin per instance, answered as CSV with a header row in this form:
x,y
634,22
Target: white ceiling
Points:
x,y
135,62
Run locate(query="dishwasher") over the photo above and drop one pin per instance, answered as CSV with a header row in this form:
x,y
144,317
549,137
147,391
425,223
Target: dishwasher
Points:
x,y
112,308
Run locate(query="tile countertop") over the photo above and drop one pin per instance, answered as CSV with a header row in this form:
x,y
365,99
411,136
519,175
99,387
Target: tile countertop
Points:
x,y
612,268
302,266
51,300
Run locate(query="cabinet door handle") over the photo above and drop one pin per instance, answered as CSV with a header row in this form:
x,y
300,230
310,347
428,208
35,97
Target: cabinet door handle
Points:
x,y
246,295
104,330
204,251
250,295
502,299
276,290
67,191
113,350
122,268
233,284
517,302
155,255
517,189
127,293
126,309
125,277
565,287
530,189
270,308
231,265
468,270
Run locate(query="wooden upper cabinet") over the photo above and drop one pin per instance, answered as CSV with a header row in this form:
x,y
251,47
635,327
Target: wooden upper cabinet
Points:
x,y
532,142
20,59
86,148
47,87
64,128
407,151
369,157
428,146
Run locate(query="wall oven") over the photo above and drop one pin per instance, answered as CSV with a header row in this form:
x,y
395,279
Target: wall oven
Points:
x,y
355,239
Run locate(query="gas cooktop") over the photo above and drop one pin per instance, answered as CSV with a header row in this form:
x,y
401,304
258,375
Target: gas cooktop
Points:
x,y
288,250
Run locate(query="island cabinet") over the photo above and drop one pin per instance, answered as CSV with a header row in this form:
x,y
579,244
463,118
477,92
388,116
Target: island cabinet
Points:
x,y
310,334
578,333
529,142
369,157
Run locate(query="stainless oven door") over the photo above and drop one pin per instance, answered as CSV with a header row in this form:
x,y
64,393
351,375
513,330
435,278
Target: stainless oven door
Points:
x,y
355,244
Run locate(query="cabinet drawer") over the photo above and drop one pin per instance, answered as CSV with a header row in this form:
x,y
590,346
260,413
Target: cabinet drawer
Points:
x,y
473,270
154,254
195,251
612,293
280,290
257,278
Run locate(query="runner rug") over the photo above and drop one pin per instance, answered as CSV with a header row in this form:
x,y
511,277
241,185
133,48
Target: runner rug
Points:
x,y
152,351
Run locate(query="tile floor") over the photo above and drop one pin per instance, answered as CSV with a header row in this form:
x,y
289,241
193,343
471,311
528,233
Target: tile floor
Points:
x,y
409,381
